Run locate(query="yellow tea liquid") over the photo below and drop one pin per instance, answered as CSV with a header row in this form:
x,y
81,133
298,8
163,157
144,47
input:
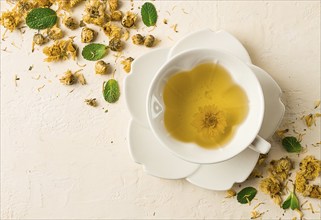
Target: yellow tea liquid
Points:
x,y
204,105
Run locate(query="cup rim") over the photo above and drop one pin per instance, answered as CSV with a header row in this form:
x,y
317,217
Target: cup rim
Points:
x,y
160,138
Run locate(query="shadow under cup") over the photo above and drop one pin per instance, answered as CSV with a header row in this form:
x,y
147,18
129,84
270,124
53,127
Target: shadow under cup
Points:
x,y
241,74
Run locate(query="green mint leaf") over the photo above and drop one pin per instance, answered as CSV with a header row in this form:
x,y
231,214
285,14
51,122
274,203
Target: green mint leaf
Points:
x,y
111,91
291,202
149,14
94,51
291,144
246,195
41,18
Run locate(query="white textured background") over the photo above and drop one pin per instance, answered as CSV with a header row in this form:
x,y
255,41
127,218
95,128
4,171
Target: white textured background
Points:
x,y
61,159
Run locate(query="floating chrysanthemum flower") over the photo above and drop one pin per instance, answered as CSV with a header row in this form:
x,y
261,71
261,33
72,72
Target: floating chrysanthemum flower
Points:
x,y
210,121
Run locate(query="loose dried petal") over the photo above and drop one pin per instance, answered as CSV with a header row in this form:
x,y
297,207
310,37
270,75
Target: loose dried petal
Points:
x,y
55,33
127,64
81,79
230,193
300,182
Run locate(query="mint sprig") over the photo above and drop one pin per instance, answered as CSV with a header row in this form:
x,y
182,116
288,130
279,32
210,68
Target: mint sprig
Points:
x,y
41,18
291,144
246,195
94,51
291,202
111,91
149,14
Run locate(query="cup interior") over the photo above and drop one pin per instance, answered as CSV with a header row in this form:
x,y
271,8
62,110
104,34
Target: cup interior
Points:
x,y
240,73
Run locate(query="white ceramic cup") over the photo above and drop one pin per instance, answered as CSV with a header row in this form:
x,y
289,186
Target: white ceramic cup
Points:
x,y
247,132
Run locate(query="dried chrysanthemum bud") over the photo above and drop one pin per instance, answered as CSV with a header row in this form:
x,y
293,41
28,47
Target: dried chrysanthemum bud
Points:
x,y
271,186
39,39
149,40
10,20
112,30
101,67
70,23
68,78
87,35
115,44
95,12
310,167
138,39
55,33
43,3
24,6
129,19
113,5
127,64
280,169
60,50
116,15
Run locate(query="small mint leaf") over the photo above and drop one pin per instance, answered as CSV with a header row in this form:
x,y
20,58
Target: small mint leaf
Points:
x,y
291,144
111,91
149,14
291,202
94,51
41,18
246,195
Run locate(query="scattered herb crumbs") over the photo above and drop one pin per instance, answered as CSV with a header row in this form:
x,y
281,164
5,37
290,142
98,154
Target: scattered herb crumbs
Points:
x,y
30,67
91,102
41,87
174,26
246,195
255,214
291,144
317,104
281,133
230,193
16,78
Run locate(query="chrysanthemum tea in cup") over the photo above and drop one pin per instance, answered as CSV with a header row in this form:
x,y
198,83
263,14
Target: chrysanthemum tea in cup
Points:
x,y
206,106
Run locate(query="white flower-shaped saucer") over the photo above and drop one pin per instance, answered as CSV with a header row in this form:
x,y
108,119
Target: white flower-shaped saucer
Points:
x,y
157,160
